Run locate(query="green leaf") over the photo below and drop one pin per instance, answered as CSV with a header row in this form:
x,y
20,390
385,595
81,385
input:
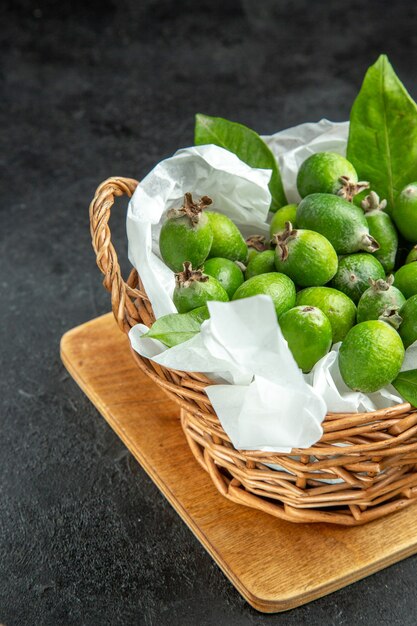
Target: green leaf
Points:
x,y
382,141
406,385
246,144
176,328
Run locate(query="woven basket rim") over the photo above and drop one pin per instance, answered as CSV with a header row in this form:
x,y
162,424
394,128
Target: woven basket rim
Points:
x,y
363,467
125,320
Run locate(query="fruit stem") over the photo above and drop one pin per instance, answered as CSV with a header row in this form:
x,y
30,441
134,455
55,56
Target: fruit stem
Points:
x,y
241,265
350,188
281,239
189,276
372,203
191,208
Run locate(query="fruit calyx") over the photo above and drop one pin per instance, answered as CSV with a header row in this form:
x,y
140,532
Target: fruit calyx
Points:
x,y
191,208
381,284
257,242
369,244
349,188
372,203
281,240
392,317
189,276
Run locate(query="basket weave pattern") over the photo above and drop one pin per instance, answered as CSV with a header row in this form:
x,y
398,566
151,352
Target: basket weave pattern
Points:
x,y
363,467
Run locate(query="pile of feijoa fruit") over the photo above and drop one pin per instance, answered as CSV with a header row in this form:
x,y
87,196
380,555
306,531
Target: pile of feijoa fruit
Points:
x,y
337,266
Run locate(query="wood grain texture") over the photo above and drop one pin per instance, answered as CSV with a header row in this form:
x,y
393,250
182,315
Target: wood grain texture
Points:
x,y
275,565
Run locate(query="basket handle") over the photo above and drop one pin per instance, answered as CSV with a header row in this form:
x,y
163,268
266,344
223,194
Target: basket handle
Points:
x,y
100,208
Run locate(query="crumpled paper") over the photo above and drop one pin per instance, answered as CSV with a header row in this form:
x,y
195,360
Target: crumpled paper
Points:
x,y
237,190
294,145
263,401
326,379
267,404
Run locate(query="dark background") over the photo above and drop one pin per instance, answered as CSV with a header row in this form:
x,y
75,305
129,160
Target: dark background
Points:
x,y
90,90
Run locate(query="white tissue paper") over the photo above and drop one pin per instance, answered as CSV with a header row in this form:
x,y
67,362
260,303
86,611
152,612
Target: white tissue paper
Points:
x,y
237,190
267,404
262,399
294,145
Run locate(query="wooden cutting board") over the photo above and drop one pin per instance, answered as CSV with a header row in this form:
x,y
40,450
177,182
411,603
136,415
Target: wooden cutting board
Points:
x,y
275,565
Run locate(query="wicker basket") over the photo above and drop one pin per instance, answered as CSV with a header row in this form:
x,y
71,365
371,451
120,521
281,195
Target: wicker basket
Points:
x,y
363,467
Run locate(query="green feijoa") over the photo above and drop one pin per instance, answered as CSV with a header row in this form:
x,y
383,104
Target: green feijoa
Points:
x,y
262,263
186,234
308,333
227,272
405,212
337,306
228,242
380,299
255,244
193,289
328,172
382,229
406,279
278,286
370,356
341,222
281,217
307,257
408,328
354,272
412,255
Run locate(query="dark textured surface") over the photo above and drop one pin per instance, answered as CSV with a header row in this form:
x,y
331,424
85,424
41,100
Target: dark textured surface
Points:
x,y
85,537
